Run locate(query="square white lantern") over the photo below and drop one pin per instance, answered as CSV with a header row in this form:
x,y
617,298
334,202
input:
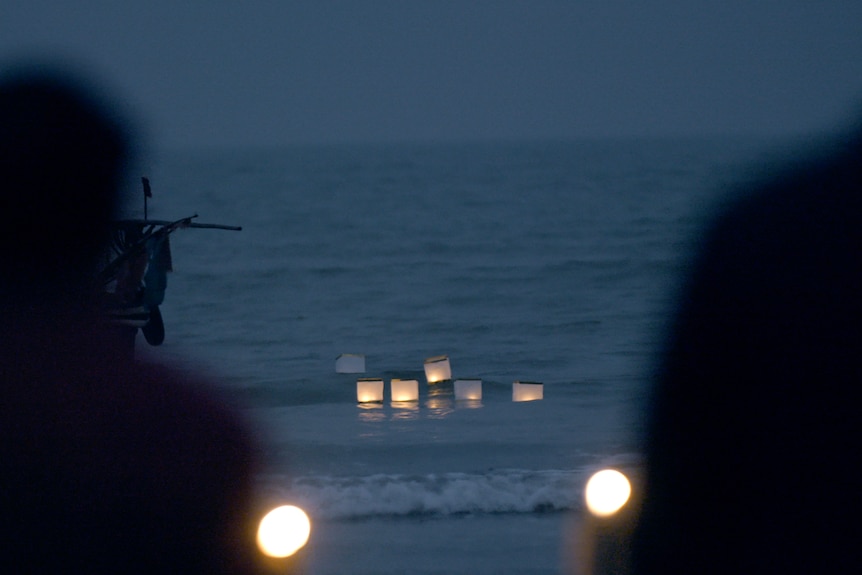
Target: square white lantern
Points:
x,y
527,391
369,389
468,389
437,369
404,390
350,363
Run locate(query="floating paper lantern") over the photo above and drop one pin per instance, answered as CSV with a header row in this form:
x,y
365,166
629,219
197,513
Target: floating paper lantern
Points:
x,y
437,369
527,391
350,363
369,389
405,390
468,389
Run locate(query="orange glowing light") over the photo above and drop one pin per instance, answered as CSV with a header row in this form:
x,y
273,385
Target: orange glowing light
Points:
x,y
283,531
607,492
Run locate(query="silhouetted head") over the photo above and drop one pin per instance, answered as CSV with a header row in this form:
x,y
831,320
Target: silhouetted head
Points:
x,y
755,421
62,155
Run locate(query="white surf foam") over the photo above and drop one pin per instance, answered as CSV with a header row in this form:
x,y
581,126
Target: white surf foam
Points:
x,y
497,491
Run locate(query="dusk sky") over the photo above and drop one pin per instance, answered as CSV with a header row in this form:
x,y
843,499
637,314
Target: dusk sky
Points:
x,y
268,73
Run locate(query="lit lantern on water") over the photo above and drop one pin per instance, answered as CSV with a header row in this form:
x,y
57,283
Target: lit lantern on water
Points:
x,y
404,390
437,369
283,531
369,389
350,363
527,391
607,491
468,389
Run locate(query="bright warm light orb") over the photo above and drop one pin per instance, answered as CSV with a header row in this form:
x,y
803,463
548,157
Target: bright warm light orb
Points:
x,y
283,531
606,492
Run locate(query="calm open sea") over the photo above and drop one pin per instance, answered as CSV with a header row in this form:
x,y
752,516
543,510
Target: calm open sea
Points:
x,y
545,262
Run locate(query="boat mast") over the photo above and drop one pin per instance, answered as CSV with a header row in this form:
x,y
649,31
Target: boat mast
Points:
x,y
147,193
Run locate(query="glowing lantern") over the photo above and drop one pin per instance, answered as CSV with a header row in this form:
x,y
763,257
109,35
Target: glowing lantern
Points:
x,y
606,492
467,389
405,390
350,363
369,389
437,369
527,391
283,531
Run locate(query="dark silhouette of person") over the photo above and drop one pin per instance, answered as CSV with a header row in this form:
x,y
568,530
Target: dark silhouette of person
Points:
x,y
754,433
106,466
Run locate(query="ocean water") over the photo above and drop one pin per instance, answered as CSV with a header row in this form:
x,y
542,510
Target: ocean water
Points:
x,y
547,262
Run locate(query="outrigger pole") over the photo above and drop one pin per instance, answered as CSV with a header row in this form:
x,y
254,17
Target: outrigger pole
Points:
x,y
131,240
148,193
144,230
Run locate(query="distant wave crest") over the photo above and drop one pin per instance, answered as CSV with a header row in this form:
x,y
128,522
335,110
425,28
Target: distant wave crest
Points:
x,y
498,491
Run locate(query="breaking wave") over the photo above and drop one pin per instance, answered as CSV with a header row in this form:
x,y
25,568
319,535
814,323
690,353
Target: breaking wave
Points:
x,y
498,491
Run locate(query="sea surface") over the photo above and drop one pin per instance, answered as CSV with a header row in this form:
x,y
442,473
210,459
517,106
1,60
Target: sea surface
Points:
x,y
536,261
